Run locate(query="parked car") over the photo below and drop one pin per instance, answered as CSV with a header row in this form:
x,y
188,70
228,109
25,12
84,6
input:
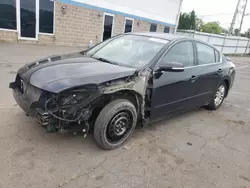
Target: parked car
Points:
x,y
126,80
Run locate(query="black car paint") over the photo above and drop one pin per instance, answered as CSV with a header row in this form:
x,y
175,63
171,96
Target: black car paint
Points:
x,y
171,91
71,71
178,91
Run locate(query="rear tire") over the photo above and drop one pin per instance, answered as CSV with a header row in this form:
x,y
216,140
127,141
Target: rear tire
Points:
x,y
218,96
114,124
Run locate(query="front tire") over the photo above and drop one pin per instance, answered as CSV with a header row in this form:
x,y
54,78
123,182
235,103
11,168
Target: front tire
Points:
x,y
218,97
115,123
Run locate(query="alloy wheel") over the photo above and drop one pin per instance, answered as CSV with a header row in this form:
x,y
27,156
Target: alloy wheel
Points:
x,y
219,96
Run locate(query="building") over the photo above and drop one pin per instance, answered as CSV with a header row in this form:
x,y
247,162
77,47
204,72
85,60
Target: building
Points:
x,y
77,22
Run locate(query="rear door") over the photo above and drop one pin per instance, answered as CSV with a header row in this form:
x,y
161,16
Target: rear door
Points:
x,y
209,72
172,91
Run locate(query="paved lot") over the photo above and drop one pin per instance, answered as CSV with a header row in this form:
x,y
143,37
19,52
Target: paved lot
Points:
x,y
199,149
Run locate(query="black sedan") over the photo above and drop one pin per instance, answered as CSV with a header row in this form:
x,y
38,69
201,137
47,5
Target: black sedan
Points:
x,y
126,80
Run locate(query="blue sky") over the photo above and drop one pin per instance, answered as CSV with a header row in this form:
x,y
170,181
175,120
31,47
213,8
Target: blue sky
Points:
x,y
216,10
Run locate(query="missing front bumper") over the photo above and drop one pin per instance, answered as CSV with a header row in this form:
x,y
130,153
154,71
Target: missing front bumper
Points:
x,y
45,119
39,115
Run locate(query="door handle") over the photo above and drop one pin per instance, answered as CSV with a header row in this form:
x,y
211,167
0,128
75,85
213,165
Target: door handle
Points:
x,y
220,71
193,78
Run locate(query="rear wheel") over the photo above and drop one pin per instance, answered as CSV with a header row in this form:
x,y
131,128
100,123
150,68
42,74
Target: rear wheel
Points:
x,y
218,97
115,123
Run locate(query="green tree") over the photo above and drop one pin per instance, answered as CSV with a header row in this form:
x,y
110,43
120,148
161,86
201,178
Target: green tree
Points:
x,y
183,21
198,24
212,27
187,20
236,32
225,31
192,20
246,34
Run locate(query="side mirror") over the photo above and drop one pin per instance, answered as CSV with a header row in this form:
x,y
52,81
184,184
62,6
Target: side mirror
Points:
x,y
171,67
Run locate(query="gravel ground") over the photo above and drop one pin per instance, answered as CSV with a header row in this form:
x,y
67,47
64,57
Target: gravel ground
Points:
x,y
198,149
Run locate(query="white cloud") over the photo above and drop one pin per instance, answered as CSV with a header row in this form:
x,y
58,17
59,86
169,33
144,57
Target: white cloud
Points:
x,y
216,10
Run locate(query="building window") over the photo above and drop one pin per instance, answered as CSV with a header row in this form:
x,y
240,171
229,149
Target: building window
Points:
x,y
128,25
153,27
46,17
166,29
108,26
8,14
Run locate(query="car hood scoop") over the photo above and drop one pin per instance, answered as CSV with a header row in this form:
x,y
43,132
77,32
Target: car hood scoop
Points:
x,y
72,72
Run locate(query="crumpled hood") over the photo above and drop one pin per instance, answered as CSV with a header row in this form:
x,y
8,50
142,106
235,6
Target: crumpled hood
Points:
x,y
68,72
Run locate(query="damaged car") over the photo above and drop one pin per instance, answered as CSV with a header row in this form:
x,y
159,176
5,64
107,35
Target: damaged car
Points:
x,y
129,79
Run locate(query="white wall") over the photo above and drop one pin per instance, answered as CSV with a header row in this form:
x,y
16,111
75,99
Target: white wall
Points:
x,y
225,44
160,10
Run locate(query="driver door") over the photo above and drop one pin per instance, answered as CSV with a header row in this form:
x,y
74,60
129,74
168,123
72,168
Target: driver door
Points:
x,y
173,91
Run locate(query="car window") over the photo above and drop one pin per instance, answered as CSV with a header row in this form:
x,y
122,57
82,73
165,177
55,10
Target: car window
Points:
x,y
97,47
130,50
206,54
217,56
182,52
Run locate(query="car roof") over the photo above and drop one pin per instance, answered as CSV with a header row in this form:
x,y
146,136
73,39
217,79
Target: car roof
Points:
x,y
166,36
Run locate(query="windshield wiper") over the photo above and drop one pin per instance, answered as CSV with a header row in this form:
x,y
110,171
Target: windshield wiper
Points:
x,y
105,60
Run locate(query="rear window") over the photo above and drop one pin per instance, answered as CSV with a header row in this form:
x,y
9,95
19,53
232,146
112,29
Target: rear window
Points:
x,y
217,56
206,54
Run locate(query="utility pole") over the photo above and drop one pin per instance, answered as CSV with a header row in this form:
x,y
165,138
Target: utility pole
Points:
x,y
178,17
243,15
234,17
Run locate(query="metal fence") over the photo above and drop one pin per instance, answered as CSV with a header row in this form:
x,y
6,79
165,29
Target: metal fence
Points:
x,y
226,44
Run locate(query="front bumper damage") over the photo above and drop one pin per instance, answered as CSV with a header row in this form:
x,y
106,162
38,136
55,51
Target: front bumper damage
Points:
x,y
40,115
33,101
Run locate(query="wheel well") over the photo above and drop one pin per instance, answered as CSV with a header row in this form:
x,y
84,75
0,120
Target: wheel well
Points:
x,y
130,95
227,84
101,102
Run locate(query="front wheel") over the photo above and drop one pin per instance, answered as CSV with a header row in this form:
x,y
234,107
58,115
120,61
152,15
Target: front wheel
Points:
x,y
218,97
115,123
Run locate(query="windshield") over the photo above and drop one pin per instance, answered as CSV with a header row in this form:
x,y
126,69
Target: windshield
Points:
x,y
128,50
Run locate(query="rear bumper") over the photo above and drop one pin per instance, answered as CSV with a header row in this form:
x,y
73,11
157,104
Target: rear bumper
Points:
x,y
232,78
